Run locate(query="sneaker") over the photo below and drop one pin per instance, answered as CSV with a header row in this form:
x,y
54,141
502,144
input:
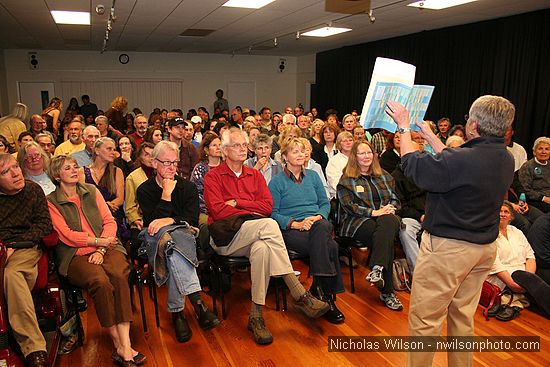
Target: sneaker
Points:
x,y
262,335
391,301
375,276
311,306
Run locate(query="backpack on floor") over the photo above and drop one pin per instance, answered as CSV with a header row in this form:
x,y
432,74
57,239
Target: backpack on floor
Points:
x,y
401,275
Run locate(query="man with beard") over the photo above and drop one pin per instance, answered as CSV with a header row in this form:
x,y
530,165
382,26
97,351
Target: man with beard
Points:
x,y
140,124
75,143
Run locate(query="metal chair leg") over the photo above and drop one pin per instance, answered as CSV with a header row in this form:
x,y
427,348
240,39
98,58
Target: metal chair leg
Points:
x,y
277,287
141,303
222,296
350,264
153,290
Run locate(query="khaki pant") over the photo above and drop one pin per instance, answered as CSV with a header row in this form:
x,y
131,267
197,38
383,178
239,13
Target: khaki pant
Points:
x,y
19,277
261,241
447,284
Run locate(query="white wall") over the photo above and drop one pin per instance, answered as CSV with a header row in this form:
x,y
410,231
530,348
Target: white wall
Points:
x,y
305,76
201,75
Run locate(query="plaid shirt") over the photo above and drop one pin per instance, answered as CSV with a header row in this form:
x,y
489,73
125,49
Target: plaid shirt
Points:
x,y
357,200
378,142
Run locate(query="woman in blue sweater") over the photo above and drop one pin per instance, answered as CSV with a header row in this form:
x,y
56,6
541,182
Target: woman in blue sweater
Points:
x,y
301,208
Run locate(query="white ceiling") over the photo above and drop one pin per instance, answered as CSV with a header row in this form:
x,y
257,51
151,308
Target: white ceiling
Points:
x,y
155,25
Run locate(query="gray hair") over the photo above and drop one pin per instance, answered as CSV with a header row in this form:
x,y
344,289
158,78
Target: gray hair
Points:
x,y
102,118
42,135
289,116
493,114
88,128
262,138
22,156
99,142
164,145
541,140
5,158
226,136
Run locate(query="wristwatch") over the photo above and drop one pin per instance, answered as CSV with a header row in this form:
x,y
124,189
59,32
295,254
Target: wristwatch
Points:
x,y
403,130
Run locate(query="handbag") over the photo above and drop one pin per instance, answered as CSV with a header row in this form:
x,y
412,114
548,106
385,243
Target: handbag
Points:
x,y
401,275
490,296
223,231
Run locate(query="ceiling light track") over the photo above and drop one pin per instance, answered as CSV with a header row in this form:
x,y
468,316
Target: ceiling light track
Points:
x,y
109,27
297,35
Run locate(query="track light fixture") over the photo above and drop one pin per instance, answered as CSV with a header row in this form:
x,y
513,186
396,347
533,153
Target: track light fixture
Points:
x,y
371,16
110,21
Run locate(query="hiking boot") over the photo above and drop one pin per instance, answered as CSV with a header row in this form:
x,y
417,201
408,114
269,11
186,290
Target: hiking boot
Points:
x,y
391,301
311,306
375,276
262,335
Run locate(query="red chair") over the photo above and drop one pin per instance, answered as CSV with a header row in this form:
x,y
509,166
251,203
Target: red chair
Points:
x,y
48,309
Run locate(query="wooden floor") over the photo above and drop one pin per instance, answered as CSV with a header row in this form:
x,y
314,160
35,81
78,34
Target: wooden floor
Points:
x,y
298,341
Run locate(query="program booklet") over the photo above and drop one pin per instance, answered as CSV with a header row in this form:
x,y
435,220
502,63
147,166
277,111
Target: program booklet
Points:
x,y
393,80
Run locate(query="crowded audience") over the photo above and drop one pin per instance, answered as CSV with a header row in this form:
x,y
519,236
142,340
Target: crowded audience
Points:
x,y
123,179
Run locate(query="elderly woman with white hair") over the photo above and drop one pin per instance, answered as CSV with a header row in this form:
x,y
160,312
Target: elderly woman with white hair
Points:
x,y
534,175
35,162
262,160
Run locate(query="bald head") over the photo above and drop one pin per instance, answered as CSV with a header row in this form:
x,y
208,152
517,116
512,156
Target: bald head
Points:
x,y
89,136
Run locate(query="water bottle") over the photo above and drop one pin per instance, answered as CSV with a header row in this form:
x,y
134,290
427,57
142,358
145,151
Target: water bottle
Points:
x,y
522,200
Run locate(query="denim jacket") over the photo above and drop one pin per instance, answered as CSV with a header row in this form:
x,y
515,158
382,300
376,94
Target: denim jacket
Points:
x,y
175,237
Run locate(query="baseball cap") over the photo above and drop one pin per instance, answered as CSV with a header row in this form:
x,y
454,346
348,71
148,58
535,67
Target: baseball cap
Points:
x,y
176,121
196,119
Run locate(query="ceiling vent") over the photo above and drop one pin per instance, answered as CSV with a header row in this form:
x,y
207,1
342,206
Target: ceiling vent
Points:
x,y
347,6
196,32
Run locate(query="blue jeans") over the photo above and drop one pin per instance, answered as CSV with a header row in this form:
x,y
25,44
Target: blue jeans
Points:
x,y
408,237
182,280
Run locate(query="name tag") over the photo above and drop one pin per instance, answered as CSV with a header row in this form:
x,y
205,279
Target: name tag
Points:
x,y
360,189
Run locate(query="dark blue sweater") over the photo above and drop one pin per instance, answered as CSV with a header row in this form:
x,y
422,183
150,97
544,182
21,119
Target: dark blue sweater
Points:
x,y
466,187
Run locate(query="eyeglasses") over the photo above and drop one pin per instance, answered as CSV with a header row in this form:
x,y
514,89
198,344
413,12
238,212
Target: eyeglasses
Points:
x,y
34,157
168,163
237,146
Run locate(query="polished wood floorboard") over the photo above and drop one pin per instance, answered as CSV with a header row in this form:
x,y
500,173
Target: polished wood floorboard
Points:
x,y
298,341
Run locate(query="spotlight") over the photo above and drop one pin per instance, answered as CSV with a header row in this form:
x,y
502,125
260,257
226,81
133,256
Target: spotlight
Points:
x,y
275,44
298,35
100,9
249,49
371,16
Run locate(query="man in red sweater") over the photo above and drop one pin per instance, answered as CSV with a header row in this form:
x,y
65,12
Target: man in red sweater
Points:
x,y
233,189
